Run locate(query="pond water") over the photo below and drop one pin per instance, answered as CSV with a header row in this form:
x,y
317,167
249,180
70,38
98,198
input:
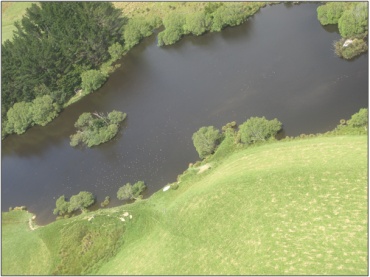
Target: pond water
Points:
x,y
278,64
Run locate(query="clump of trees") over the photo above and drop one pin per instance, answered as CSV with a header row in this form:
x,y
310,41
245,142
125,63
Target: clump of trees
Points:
x,y
131,192
207,139
80,201
214,18
23,115
94,128
352,20
258,129
53,46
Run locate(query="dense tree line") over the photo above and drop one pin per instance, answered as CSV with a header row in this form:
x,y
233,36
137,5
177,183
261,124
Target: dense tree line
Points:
x,y
215,17
60,49
56,42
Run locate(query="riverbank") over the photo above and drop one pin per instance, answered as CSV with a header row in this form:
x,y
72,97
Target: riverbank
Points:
x,y
287,207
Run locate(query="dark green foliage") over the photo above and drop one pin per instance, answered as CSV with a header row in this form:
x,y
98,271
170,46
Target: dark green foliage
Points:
x,y
53,44
258,129
331,12
61,206
81,201
92,80
131,192
354,21
205,140
94,129
359,119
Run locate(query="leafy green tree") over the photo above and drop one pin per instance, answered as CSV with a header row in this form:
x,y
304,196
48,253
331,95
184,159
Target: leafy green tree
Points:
x,y
205,140
19,118
138,188
137,28
230,14
174,29
44,110
258,129
61,206
116,51
354,21
331,12
116,117
129,191
359,119
92,80
81,201
197,23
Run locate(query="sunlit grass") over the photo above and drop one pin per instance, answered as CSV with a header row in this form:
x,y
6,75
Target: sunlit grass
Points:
x,y
11,12
288,208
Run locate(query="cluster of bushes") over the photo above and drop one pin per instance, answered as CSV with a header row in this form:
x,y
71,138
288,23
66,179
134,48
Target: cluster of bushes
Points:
x,y
94,128
352,20
357,124
23,115
214,18
255,129
80,201
131,192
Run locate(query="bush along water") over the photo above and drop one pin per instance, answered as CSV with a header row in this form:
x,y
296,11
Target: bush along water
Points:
x,y
352,20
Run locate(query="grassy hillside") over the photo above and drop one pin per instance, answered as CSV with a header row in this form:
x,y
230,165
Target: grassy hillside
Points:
x,y
290,207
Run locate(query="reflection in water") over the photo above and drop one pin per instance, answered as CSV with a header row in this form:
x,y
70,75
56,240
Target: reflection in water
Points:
x,y
279,64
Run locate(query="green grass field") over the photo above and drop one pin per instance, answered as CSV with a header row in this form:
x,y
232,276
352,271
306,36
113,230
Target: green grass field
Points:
x,y
11,12
285,208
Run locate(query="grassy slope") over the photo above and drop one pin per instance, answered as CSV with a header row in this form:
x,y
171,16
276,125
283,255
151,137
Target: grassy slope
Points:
x,y
293,207
288,208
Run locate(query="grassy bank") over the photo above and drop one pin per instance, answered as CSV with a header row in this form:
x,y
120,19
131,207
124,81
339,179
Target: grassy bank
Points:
x,y
289,207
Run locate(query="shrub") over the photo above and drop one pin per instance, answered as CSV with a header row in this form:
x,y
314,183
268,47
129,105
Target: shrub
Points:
x,y
81,201
94,131
92,80
61,206
44,110
359,119
331,12
129,191
258,129
356,47
105,202
116,51
19,118
205,140
354,21
174,29
196,23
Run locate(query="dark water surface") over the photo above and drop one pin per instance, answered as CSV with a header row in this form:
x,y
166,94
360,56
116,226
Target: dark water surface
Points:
x,y
279,64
